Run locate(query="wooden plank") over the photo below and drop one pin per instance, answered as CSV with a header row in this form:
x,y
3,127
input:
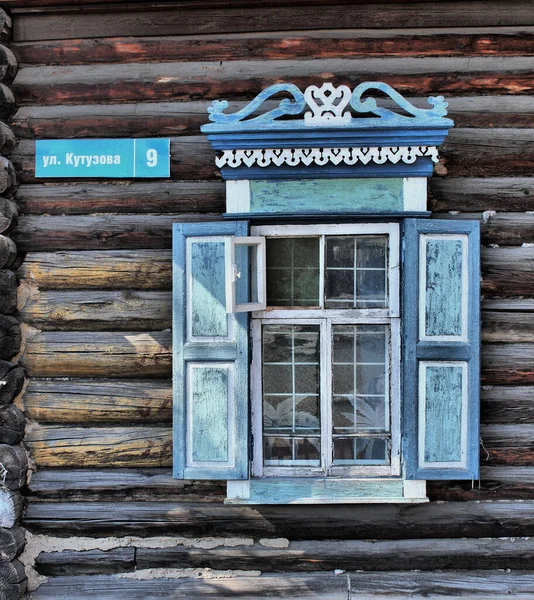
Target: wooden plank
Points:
x,y
508,271
480,194
507,404
290,47
89,401
185,118
499,152
173,81
294,522
276,18
90,310
507,444
134,197
496,483
121,484
396,585
361,555
117,269
508,229
512,327
87,562
135,446
100,354
508,364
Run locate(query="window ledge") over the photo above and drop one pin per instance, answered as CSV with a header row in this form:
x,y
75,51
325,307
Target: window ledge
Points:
x,y
332,490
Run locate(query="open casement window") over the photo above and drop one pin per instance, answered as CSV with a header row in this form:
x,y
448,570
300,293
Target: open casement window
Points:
x,y
328,393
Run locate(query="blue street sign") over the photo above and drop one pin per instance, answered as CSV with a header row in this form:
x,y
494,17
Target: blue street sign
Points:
x,y
122,158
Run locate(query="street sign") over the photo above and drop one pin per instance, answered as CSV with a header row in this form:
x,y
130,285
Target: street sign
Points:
x,y
113,158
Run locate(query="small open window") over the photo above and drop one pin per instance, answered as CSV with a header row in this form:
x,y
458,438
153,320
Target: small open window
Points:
x,y
245,274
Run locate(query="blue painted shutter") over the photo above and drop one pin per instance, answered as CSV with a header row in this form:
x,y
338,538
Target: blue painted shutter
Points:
x,y
210,357
441,349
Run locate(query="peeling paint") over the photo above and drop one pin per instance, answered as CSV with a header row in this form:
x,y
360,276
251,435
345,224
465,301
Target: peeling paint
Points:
x,y
35,544
142,574
275,542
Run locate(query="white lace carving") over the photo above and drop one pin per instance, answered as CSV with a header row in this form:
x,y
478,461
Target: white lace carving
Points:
x,y
325,110
322,156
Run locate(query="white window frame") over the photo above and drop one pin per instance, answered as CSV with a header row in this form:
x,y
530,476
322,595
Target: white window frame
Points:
x,y
326,318
233,274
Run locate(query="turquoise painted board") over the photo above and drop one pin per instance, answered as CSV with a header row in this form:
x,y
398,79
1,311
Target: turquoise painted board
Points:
x,y
327,195
209,413
443,314
210,358
208,303
443,413
280,491
106,158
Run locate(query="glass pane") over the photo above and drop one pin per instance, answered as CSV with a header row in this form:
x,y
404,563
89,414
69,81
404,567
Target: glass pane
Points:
x,y
291,401
293,272
356,271
360,401
360,451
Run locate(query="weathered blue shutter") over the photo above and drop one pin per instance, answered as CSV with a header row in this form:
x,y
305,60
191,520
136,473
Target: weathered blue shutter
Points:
x,y
210,357
441,349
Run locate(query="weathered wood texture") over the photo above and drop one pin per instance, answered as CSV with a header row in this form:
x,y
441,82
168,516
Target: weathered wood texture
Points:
x,y
14,461
295,522
12,542
12,580
306,46
11,507
270,18
87,562
396,585
185,118
90,401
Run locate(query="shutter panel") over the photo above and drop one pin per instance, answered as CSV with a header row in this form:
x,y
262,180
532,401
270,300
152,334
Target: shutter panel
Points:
x,y
441,349
210,357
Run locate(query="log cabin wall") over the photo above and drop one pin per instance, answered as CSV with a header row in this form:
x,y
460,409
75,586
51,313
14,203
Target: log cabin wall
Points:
x,y
104,518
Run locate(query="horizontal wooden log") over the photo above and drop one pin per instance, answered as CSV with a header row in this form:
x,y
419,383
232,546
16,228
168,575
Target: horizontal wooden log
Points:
x,y
165,197
507,404
172,81
462,193
496,483
8,291
117,232
508,364
294,522
11,507
396,585
231,19
11,383
185,118
86,562
398,555
12,580
503,444
14,461
304,46
121,484
118,269
95,354
133,447
12,542
498,152
94,401
12,423
513,327
508,271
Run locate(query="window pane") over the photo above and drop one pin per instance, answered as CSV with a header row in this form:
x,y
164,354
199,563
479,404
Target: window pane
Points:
x,y
360,399
291,402
293,271
356,271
